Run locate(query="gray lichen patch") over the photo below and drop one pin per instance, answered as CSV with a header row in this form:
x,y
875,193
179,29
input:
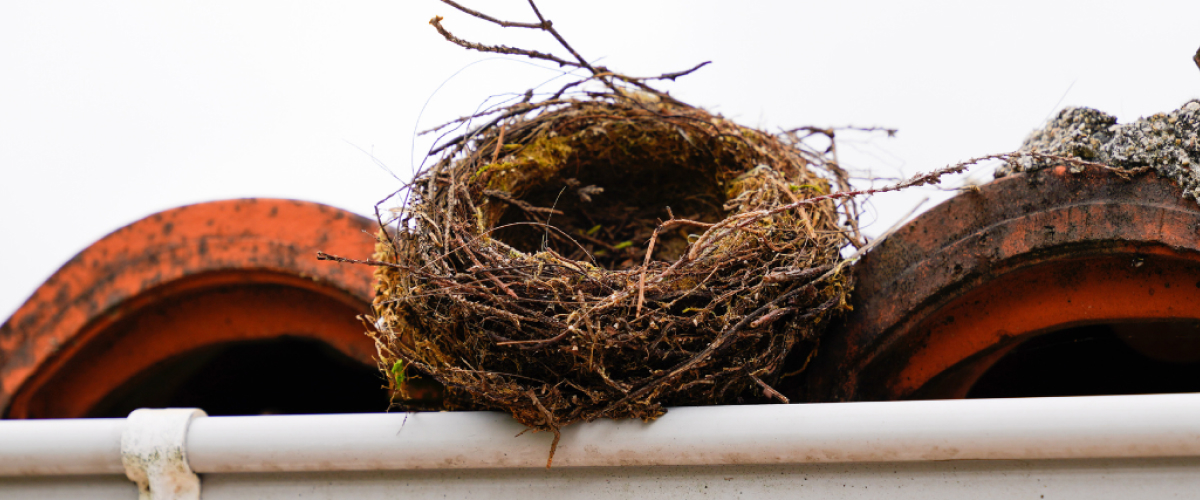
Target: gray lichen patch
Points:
x,y
1165,142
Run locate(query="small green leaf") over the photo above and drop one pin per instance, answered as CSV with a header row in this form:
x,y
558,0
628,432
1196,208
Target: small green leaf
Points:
x,y
398,371
593,230
622,245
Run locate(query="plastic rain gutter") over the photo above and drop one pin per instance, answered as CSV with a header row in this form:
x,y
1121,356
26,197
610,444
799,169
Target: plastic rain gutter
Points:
x,y
1081,447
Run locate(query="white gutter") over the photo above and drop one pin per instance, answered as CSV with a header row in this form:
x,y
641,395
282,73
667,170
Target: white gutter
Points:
x,y
60,447
1010,429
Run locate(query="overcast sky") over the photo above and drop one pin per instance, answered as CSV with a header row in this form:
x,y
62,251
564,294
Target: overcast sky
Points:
x,y
111,111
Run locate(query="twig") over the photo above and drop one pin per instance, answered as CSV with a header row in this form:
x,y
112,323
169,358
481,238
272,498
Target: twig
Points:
x,y
506,24
521,204
548,26
550,422
771,317
498,49
369,262
832,131
499,143
768,390
674,75
601,73
796,275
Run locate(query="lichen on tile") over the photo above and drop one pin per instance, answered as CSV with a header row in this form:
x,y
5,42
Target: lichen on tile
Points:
x,y
1165,142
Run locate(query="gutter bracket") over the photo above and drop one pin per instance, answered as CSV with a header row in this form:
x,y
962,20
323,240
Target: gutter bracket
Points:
x,y
154,452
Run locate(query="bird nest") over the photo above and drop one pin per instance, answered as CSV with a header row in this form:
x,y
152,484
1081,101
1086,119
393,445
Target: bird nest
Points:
x,y
609,257
609,253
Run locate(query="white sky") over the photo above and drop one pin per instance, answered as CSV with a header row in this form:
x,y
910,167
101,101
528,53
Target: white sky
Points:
x,y
110,111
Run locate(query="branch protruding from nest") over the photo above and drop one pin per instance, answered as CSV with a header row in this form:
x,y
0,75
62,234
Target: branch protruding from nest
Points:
x,y
601,73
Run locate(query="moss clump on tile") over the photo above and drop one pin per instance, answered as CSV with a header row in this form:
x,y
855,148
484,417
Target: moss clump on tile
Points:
x,y
1168,143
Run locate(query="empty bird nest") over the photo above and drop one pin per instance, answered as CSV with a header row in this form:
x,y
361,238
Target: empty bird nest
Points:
x,y
608,257
608,252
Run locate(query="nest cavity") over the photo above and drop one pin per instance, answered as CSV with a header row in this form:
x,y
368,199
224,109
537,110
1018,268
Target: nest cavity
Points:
x,y
610,257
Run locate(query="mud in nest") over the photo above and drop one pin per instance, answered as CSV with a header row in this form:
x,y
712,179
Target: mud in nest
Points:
x,y
610,257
